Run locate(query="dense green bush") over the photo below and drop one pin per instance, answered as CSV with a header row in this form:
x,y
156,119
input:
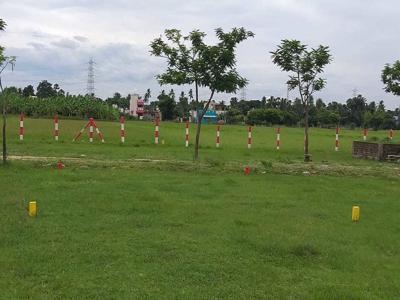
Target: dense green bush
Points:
x,y
379,120
234,116
265,116
67,106
326,118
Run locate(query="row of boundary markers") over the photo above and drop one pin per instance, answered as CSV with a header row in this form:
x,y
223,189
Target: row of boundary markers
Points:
x,y
91,124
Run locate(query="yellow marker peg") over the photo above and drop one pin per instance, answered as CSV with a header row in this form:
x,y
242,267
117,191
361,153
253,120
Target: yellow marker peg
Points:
x,y
32,209
355,214
162,142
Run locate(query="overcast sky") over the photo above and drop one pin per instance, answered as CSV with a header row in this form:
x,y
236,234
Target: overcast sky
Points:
x,y
54,40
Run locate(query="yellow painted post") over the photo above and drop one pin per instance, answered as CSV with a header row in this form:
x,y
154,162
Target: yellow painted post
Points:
x,y
32,209
355,214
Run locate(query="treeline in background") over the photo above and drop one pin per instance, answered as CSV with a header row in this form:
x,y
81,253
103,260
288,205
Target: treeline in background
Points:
x,y
357,111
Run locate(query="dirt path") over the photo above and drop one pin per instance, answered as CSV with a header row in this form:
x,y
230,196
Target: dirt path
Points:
x,y
83,158
389,170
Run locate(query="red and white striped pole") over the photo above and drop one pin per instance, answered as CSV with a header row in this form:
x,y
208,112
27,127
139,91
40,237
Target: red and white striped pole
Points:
x,y
365,134
218,136
391,134
21,127
249,138
98,132
187,134
278,138
156,131
81,132
91,130
337,139
56,131
122,132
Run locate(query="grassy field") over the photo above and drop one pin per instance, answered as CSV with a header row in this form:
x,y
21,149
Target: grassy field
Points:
x,y
116,228
140,142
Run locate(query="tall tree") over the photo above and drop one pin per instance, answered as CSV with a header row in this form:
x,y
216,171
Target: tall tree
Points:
x,y
190,60
147,96
5,61
166,104
58,91
45,90
183,105
305,67
356,107
28,91
119,101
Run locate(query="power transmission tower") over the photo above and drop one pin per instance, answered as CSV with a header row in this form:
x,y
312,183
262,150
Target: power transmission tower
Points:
x,y
287,92
90,80
243,94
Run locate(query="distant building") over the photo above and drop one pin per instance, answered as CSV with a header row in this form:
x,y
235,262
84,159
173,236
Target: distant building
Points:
x,y
210,117
219,108
136,106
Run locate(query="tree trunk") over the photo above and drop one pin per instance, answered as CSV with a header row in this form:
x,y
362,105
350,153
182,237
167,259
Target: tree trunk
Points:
x,y
306,152
198,129
4,133
197,93
4,124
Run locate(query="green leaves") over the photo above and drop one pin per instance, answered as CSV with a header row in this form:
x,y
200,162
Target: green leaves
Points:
x,y
190,60
166,104
288,55
2,24
391,78
181,53
304,66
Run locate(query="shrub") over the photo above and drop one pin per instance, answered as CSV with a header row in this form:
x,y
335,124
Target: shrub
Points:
x,y
265,116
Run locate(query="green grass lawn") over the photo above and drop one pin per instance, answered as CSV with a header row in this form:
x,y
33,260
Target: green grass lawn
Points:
x,y
175,234
115,228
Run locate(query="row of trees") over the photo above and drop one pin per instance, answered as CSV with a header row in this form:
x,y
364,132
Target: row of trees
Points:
x,y
355,112
44,90
69,106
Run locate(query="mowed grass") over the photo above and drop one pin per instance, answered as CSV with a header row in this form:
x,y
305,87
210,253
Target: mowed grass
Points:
x,y
39,141
195,231
154,234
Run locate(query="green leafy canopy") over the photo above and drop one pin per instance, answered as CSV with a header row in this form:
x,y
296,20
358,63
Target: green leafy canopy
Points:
x,y
303,64
391,78
191,60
